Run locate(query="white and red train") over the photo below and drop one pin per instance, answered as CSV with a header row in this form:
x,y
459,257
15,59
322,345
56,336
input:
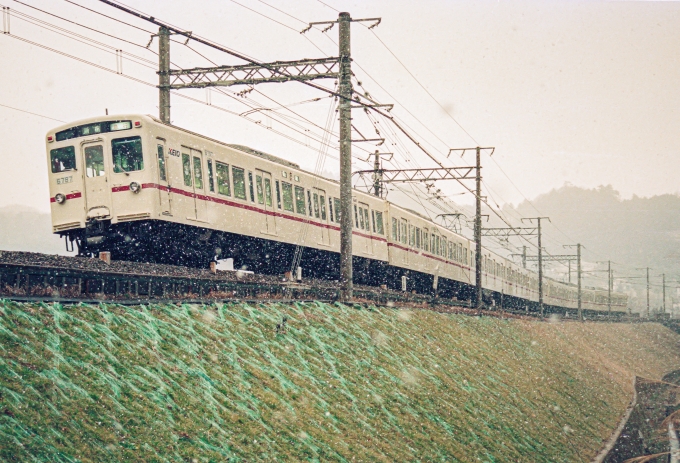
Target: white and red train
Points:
x,y
145,190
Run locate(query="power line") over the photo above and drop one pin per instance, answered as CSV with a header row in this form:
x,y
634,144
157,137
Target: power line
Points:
x,y
424,88
110,17
77,37
34,114
154,86
264,15
82,25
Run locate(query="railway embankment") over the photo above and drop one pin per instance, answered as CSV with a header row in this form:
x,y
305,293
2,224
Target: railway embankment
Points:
x,y
312,382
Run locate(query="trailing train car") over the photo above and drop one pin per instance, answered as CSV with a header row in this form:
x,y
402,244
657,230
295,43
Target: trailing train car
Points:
x,y
149,191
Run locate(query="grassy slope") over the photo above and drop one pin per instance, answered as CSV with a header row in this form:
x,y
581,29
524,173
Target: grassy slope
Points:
x,y
111,383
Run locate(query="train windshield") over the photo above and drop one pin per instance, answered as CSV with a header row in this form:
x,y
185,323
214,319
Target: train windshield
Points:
x,y
63,159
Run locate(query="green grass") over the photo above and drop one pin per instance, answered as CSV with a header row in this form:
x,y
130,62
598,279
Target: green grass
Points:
x,y
218,383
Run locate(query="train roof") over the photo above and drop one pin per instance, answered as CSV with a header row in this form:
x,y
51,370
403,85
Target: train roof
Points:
x,y
245,149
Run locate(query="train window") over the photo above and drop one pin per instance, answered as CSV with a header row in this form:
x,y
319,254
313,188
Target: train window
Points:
x,y
322,206
287,190
437,244
63,159
268,192
330,208
368,226
338,210
161,164
309,202
316,205
94,161
198,173
444,248
296,178
362,224
379,223
211,181
127,154
250,186
300,200
239,182
223,185
260,189
186,169
373,219
465,254
426,240
404,231
418,237
356,217
278,195
460,252
395,228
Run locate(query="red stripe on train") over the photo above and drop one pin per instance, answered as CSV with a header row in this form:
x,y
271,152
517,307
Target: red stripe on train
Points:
x,y
75,195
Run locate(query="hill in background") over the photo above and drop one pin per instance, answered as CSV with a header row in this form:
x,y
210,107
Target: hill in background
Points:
x,y
636,232
23,228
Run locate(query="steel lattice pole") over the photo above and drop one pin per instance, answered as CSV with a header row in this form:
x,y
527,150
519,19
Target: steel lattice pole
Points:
x,y
345,113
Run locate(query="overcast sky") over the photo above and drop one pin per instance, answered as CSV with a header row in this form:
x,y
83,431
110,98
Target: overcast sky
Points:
x,y
579,92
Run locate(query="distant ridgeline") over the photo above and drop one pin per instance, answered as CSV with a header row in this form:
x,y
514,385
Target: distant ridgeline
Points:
x,y
636,232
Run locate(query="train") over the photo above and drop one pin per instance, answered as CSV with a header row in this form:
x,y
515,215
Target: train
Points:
x,y
145,190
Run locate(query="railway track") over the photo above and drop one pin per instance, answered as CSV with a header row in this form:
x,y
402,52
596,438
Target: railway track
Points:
x,y
34,277
31,277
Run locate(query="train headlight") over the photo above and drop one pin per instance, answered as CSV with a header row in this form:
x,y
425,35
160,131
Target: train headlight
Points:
x,y
60,198
135,187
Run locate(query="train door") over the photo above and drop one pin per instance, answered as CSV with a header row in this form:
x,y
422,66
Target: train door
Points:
x,y
200,204
97,190
163,176
320,212
265,198
368,242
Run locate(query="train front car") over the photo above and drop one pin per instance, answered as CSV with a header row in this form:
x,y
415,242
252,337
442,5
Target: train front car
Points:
x,y
97,172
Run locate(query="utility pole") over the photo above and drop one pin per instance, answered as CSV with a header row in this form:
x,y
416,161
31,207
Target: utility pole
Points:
x,y
663,276
376,175
569,271
164,74
647,270
345,113
578,276
647,292
540,261
378,172
478,230
609,287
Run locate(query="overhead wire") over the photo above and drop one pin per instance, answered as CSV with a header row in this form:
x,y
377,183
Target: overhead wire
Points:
x,y
32,113
110,17
77,37
141,81
85,27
